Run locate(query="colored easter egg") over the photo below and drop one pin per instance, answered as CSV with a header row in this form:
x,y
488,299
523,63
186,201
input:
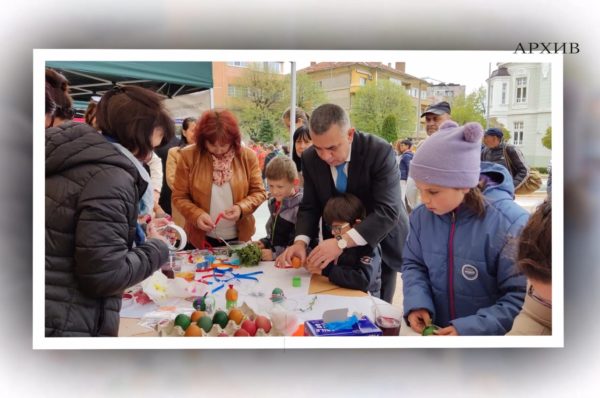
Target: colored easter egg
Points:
x,y
205,323
183,321
220,318
296,262
241,333
249,326
197,315
429,330
236,315
193,331
262,322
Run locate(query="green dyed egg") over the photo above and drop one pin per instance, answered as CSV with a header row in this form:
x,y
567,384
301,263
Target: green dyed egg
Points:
x,y
221,318
183,321
205,323
428,331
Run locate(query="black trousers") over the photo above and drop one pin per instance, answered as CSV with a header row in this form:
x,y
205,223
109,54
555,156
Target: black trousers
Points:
x,y
388,282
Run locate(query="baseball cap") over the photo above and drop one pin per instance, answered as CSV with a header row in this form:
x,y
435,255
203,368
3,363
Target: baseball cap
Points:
x,y
438,109
494,132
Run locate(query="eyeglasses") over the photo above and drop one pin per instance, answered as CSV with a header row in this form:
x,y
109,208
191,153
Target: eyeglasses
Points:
x,y
337,229
531,293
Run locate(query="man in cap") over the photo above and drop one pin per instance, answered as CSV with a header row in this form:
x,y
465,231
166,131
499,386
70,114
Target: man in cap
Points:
x,y
496,151
435,115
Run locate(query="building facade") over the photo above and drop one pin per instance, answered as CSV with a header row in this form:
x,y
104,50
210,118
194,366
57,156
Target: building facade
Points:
x,y
225,75
445,92
520,99
341,80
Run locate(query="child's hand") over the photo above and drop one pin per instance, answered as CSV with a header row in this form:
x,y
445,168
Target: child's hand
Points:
x,y
447,331
418,319
267,255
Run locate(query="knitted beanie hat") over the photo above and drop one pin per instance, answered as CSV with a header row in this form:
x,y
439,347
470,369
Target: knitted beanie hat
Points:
x,y
450,157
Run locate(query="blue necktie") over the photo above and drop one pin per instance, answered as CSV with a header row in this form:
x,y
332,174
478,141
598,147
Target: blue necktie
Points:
x,y
341,180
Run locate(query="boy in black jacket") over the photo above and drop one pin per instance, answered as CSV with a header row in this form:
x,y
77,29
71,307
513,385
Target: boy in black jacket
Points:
x,y
284,202
358,267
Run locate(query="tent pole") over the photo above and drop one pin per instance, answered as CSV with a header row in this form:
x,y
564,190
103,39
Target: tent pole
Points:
x,y
292,106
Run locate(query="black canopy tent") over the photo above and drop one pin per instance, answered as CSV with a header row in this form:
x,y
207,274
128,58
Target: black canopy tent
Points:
x,y
169,79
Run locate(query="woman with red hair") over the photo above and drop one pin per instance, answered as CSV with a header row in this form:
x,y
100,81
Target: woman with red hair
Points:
x,y
218,176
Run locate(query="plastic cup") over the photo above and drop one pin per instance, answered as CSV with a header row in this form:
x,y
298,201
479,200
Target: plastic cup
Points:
x,y
388,318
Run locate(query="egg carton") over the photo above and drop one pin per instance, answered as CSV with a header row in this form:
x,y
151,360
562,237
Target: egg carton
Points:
x,y
169,329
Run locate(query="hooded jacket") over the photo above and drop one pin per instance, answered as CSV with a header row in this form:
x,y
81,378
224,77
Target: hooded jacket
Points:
x,y
518,169
92,194
460,267
281,226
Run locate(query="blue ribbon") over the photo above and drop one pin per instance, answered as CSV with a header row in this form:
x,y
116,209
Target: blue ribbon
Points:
x,y
224,282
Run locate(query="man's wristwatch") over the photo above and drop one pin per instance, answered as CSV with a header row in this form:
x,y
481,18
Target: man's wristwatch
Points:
x,y
341,242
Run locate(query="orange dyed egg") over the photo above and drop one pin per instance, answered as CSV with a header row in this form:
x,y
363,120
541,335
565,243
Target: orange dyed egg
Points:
x,y
296,262
236,315
197,315
193,331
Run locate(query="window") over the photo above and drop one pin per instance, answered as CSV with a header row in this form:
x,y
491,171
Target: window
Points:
x,y
237,91
518,133
491,94
396,81
362,81
504,86
238,63
521,83
423,94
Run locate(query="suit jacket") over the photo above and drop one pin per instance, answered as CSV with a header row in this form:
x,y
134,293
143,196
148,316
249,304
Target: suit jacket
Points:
x,y
373,176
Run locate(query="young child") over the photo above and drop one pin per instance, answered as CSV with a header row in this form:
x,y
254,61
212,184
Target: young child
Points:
x,y
358,267
457,270
285,200
534,259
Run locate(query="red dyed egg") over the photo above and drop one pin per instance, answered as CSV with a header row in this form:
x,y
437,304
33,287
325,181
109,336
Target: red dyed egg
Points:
x,y
241,333
262,322
249,326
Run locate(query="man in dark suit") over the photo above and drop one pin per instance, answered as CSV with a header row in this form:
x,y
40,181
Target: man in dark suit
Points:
x,y
342,159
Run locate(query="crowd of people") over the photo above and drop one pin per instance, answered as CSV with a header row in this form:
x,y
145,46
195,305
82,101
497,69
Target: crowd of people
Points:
x,y
472,261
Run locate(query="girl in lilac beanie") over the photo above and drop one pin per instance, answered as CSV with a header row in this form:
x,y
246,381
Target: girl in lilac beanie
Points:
x,y
457,271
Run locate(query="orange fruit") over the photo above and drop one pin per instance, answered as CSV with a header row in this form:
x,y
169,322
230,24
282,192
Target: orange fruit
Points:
x,y
197,315
296,262
193,331
236,315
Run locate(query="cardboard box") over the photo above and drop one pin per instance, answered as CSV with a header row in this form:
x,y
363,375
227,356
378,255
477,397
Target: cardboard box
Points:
x,y
364,327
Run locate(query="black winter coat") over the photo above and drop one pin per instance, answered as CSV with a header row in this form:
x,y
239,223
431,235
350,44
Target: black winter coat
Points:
x,y
357,268
518,169
92,194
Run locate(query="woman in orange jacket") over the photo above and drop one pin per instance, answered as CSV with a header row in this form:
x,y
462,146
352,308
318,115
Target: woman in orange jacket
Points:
x,y
218,183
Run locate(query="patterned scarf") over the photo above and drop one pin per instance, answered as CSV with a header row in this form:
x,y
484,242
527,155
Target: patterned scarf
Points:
x,y
222,171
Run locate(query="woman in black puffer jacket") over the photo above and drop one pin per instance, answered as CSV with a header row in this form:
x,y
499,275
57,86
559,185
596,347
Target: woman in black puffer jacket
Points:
x,y
94,191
